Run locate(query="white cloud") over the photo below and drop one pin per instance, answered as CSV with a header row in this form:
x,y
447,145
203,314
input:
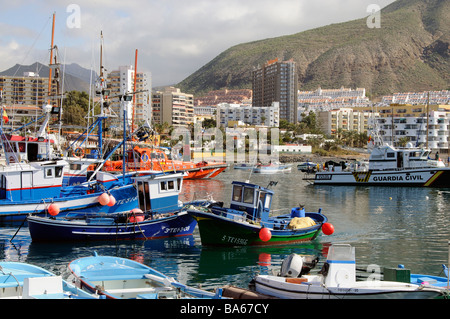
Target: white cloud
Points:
x,y
174,37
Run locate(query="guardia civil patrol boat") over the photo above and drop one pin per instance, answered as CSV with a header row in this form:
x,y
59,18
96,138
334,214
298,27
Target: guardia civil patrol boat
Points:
x,y
390,166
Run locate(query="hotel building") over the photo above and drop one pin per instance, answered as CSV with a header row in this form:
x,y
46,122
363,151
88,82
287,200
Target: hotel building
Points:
x,y
121,82
277,82
172,106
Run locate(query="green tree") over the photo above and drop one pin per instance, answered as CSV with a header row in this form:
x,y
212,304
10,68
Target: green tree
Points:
x,y
75,108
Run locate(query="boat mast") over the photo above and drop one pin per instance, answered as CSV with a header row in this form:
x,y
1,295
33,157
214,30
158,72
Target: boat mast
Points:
x,y
134,90
102,84
428,115
51,59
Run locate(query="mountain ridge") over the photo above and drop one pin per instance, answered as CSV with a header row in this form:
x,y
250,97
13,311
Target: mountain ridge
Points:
x,y
409,52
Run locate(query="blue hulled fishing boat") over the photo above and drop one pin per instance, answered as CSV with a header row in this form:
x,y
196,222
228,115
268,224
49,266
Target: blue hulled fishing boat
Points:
x,y
159,215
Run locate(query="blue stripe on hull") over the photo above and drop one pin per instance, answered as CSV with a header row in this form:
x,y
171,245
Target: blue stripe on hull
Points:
x,y
126,200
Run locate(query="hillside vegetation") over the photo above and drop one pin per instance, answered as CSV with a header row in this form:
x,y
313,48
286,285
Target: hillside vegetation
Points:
x,y
409,52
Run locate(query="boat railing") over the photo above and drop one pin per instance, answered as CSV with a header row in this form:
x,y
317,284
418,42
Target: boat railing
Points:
x,y
280,222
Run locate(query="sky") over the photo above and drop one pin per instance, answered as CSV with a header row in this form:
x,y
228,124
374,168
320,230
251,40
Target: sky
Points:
x,y
174,38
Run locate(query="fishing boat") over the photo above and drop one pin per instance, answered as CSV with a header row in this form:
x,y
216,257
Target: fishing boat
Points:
x,y
243,166
36,188
155,158
159,215
25,281
247,222
390,166
307,167
272,168
122,278
336,280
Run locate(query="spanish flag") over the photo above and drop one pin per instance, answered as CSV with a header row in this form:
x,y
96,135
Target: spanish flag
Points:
x,y
5,117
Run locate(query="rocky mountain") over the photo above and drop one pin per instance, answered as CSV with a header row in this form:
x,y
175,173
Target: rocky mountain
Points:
x,y
76,78
409,52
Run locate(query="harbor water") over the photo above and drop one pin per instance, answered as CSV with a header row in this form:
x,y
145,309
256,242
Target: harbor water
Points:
x,y
387,227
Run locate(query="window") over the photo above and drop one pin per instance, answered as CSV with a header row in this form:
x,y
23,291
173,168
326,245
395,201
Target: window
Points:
x,y
58,171
75,166
248,195
237,193
49,172
163,186
268,200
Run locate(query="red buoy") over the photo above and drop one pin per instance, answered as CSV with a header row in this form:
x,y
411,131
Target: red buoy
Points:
x,y
53,209
265,234
112,200
327,228
103,199
136,219
264,259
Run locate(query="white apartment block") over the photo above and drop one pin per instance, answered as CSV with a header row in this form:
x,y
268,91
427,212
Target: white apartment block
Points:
x,y
392,130
415,98
121,82
249,115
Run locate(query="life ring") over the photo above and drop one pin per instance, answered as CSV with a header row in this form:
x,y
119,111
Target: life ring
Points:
x,y
78,152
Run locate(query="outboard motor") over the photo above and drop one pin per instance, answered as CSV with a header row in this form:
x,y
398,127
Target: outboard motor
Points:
x,y
296,266
291,266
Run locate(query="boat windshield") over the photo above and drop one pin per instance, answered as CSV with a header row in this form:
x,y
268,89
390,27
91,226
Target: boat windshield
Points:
x,y
248,195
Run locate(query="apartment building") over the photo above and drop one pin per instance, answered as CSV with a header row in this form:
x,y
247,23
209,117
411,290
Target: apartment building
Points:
x,y
277,81
121,82
173,106
20,114
398,123
347,119
28,89
249,115
416,98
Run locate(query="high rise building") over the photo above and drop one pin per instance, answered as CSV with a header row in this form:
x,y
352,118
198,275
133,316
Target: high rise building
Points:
x,y
121,82
172,106
29,89
277,82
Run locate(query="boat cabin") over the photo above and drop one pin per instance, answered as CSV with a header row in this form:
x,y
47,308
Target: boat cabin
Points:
x,y
388,157
252,199
19,149
38,180
158,191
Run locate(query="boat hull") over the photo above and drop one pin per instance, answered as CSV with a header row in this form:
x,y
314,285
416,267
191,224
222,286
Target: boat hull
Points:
x,y
271,169
173,225
426,177
278,287
220,231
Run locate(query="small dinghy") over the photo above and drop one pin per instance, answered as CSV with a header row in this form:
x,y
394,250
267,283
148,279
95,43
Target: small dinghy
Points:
x,y
122,278
24,281
336,280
